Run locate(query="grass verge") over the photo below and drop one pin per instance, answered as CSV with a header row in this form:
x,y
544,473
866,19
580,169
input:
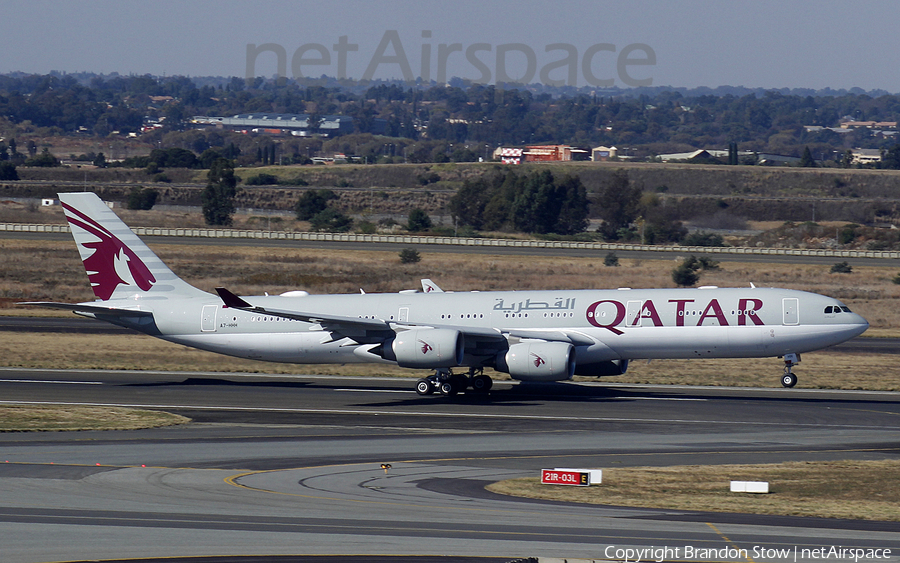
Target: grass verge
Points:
x,y
48,418
858,490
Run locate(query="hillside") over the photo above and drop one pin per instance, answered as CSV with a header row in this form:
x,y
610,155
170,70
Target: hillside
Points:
x,y
695,191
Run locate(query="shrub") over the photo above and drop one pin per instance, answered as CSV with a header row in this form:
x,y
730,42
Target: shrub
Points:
x,y
841,268
366,227
142,198
611,259
896,279
331,220
262,179
409,256
686,273
8,171
313,202
418,221
703,239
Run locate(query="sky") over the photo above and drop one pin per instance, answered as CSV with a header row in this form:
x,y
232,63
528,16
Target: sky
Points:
x,y
685,43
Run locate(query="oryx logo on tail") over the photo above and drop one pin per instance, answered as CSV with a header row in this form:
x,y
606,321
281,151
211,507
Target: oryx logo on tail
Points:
x,y
111,263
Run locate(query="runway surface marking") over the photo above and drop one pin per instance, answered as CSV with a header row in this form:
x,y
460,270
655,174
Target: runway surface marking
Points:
x,y
454,415
734,545
50,381
410,391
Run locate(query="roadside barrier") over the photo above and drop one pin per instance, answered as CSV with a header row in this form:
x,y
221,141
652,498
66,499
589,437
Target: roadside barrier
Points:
x,y
467,241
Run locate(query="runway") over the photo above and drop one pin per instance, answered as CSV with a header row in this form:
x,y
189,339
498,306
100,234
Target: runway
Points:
x,y
278,465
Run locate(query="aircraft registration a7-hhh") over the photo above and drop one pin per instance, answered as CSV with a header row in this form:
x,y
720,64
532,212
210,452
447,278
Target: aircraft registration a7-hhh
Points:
x,y
531,335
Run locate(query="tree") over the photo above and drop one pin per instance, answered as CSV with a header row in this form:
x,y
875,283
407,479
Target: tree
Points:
x,y
807,160
211,155
573,213
313,202
99,160
218,196
418,221
8,171
685,274
619,205
891,158
142,198
331,220
45,159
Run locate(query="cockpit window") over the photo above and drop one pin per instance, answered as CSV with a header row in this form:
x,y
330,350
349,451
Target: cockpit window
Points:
x,y
845,309
829,309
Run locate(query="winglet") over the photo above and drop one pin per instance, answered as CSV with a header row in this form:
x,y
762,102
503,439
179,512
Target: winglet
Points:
x,y
429,286
232,300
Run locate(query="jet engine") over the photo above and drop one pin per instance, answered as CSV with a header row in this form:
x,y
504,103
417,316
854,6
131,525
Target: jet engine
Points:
x,y
538,361
427,348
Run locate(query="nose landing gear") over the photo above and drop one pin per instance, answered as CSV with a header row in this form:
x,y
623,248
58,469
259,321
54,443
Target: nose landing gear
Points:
x,y
789,379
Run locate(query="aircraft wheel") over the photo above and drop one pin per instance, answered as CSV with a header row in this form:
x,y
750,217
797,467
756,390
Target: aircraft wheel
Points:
x,y
482,383
459,381
788,380
448,388
424,387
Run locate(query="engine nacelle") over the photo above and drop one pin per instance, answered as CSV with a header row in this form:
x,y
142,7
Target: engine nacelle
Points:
x,y
611,367
428,348
538,361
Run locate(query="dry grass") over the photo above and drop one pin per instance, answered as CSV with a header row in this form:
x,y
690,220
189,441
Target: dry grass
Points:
x,y
25,418
859,490
45,270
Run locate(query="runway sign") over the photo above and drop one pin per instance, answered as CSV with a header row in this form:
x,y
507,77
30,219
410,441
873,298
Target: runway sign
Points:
x,y
556,477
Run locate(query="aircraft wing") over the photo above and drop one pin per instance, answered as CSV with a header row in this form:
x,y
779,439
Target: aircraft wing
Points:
x,y
233,301
352,327
571,336
92,309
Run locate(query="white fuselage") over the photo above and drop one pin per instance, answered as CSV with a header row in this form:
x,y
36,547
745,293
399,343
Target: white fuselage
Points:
x,y
603,324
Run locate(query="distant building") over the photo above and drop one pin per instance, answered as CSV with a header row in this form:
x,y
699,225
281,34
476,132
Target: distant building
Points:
x,y
869,125
508,155
279,123
599,154
698,154
865,156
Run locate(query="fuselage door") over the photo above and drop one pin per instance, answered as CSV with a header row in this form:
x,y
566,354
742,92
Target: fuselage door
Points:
x,y
791,306
633,313
403,315
208,318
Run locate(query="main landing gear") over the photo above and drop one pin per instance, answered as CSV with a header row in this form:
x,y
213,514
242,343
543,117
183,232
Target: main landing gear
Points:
x,y
789,379
448,383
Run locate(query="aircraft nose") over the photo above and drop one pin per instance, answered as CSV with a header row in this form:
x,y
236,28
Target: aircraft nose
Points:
x,y
860,324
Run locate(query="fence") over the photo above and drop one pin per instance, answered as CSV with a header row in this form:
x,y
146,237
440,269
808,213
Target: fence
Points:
x,y
466,241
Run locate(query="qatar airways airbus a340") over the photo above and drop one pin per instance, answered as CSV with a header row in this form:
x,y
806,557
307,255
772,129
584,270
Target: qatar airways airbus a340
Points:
x,y
531,335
